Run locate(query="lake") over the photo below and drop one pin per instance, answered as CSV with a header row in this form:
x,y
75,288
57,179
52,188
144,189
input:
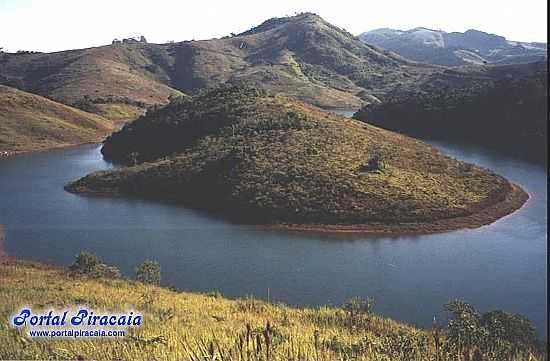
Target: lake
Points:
x,y
500,266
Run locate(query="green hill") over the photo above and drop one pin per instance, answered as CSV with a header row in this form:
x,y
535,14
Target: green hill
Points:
x,y
501,108
31,122
268,159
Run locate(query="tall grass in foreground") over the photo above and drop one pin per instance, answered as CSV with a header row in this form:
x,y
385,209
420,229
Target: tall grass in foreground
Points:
x,y
192,326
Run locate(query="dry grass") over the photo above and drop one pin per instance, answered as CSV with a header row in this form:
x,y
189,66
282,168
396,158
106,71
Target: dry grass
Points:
x,y
30,122
302,56
191,326
119,112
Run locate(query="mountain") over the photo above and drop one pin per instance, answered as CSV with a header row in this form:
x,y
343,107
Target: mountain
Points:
x,y
452,49
301,56
132,74
258,158
31,122
503,108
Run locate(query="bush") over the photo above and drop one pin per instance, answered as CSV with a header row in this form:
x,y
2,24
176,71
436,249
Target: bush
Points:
x,y
375,164
103,270
148,272
495,335
89,264
357,308
84,263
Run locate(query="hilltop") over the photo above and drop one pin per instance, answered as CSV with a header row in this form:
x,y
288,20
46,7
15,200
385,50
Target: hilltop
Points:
x,y
31,122
301,56
456,48
502,108
257,158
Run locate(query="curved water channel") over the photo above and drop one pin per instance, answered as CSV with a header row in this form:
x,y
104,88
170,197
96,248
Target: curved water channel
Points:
x,y
500,266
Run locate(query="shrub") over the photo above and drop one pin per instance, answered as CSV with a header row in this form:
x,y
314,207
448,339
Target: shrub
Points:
x,y
495,335
102,270
148,272
357,307
376,163
85,262
89,264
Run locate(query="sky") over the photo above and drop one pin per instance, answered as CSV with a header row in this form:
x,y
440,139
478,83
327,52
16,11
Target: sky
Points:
x,y
53,25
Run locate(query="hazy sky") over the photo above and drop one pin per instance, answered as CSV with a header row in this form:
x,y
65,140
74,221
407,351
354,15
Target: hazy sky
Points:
x,y
50,25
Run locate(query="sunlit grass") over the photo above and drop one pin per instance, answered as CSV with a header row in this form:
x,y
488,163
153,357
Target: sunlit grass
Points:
x,y
185,326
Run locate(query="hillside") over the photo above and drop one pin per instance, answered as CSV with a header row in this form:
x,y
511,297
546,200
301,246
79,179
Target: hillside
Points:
x,y
452,49
256,158
191,326
301,56
31,122
502,108
125,72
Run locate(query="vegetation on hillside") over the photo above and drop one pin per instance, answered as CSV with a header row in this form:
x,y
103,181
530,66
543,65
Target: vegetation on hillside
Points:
x,y
502,107
259,158
190,326
301,56
31,122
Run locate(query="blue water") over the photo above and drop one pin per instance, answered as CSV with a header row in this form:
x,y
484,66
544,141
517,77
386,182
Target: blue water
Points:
x,y
500,266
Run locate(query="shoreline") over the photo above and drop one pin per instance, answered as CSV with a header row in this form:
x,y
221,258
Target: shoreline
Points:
x,y
11,154
514,200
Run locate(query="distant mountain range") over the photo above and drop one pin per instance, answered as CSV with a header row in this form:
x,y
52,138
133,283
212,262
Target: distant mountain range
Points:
x,y
302,56
452,49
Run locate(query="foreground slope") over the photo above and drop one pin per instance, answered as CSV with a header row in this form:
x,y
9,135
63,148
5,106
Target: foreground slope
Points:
x,y
502,108
268,159
452,49
191,326
31,122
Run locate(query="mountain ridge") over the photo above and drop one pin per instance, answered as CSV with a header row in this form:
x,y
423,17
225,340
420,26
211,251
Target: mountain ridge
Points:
x,y
454,48
302,56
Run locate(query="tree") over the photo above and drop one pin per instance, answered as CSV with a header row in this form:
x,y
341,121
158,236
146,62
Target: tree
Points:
x,y
496,334
133,158
85,262
88,264
148,272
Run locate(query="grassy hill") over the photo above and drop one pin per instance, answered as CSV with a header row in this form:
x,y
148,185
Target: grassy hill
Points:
x,y
123,71
503,108
258,158
31,122
301,56
191,326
